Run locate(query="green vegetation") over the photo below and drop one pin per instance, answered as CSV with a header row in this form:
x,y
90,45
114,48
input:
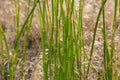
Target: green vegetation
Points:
x,y
62,34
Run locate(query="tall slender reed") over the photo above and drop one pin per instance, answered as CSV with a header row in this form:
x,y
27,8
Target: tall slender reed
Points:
x,y
42,18
114,27
106,52
80,40
10,74
94,34
2,54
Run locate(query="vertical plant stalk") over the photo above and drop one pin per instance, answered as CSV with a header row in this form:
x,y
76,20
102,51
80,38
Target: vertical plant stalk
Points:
x,y
70,53
15,54
42,18
114,27
94,35
106,52
2,54
17,16
10,71
63,47
56,56
80,40
51,42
